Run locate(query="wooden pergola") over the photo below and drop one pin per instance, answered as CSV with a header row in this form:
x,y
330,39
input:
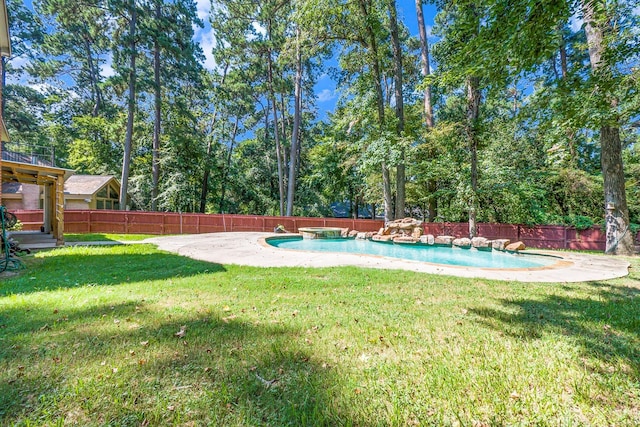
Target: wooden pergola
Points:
x,y
50,177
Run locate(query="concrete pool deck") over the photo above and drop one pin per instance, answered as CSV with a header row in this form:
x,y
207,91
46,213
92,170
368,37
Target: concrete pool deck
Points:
x,y
249,248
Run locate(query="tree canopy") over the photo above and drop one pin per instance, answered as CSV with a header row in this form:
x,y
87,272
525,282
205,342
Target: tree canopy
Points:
x,y
521,112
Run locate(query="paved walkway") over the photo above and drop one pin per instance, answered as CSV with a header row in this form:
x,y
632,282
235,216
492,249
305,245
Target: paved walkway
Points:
x,y
249,249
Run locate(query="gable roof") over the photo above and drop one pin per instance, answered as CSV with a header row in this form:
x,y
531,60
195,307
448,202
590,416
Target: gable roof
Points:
x,y
86,185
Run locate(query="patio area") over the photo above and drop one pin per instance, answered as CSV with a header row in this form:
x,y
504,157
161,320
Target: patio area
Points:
x,y
250,249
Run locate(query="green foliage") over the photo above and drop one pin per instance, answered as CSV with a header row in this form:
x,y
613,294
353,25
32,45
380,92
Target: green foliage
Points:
x,y
16,227
536,133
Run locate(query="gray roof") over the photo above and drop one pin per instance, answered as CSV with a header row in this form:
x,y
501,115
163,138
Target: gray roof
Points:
x,y
11,188
86,184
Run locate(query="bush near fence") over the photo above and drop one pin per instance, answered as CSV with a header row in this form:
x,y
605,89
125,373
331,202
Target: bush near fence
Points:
x,y
86,221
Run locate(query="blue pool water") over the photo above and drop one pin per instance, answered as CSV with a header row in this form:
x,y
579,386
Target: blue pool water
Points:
x,y
432,254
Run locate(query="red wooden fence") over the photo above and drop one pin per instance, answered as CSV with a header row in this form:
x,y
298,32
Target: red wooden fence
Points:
x,y
85,221
103,221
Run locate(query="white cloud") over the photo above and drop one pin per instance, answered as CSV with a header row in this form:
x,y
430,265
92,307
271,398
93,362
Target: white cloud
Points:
x,y
203,7
207,42
326,95
106,66
18,61
258,29
576,23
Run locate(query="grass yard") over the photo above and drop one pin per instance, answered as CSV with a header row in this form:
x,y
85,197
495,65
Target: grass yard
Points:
x,y
129,335
101,237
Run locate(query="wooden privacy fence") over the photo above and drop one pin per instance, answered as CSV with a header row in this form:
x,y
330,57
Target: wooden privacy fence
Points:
x,y
538,236
85,221
101,221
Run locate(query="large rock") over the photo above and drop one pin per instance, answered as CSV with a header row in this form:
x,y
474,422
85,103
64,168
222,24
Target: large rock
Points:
x,y
500,244
344,232
369,234
405,226
405,240
383,238
427,239
481,243
516,246
361,236
444,240
417,232
463,242
353,233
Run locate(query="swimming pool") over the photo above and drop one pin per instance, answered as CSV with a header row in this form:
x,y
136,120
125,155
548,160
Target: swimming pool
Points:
x,y
432,254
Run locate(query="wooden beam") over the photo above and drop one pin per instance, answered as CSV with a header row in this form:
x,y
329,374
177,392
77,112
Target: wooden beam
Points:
x,y
58,228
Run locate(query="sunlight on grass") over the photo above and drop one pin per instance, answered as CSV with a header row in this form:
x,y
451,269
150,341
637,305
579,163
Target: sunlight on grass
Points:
x,y
102,237
130,335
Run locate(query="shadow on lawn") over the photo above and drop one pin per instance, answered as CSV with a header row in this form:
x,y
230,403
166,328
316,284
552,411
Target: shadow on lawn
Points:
x,y
223,371
66,268
606,326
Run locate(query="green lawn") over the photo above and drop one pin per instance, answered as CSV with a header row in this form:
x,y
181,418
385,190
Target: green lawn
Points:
x,y
91,336
99,237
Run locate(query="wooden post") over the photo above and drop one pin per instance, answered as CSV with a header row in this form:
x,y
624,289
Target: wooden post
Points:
x,y
58,221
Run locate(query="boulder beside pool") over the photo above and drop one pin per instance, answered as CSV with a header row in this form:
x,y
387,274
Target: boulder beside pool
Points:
x,y
500,244
516,246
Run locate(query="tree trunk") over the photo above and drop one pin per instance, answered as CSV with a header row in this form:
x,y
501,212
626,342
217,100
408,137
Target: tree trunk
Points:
x,y
93,76
279,157
397,77
295,135
564,70
225,172
473,112
428,107
563,57
424,60
619,238
155,152
126,158
375,64
207,165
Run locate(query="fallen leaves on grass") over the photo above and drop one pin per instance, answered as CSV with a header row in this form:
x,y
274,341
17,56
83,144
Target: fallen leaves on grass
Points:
x,y
182,332
228,318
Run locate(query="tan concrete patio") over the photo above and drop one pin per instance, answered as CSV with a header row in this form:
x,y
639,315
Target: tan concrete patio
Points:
x,y
249,249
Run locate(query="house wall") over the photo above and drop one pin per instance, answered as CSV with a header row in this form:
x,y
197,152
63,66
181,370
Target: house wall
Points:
x,y
30,196
76,204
